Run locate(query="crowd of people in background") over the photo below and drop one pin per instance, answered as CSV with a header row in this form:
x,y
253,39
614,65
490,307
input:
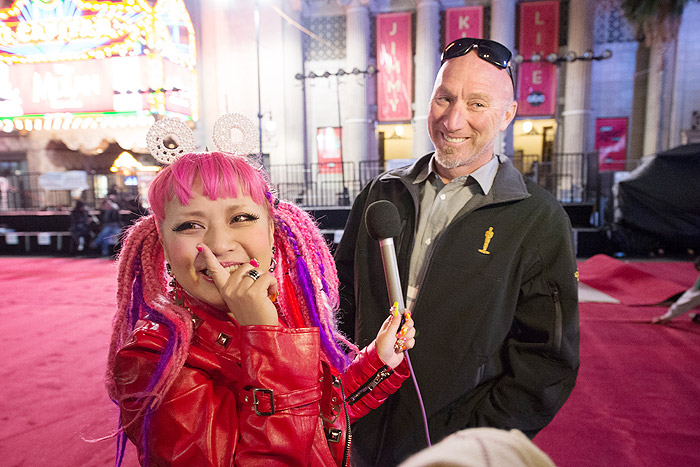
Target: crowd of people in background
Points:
x,y
97,232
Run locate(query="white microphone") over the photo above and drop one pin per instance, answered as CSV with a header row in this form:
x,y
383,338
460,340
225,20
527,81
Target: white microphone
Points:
x,y
383,224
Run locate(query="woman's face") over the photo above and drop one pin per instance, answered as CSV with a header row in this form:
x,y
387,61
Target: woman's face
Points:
x,y
235,229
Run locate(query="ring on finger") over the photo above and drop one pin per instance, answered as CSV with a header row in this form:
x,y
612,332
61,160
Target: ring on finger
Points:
x,y
253,274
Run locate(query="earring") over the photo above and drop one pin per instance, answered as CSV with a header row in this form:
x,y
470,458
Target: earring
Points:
x,y
179,301
173,282
273,263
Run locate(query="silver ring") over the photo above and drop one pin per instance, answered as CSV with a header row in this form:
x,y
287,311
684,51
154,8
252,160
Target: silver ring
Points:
x,y
253,274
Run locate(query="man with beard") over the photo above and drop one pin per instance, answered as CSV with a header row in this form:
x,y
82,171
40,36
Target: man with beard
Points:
x,y
487,264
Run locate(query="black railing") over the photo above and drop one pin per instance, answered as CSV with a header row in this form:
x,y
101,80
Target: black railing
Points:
x,y
23,192
572,178
316,184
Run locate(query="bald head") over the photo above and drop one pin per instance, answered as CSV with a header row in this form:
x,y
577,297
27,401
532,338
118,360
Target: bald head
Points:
x,y
473,64
472,102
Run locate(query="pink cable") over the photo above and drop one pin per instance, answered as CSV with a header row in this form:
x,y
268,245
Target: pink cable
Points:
x,y
420,398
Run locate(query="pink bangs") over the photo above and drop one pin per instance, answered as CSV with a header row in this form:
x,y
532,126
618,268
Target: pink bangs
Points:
x,y
222,176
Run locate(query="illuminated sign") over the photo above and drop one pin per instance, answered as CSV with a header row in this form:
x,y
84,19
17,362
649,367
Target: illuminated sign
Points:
x,y
74,56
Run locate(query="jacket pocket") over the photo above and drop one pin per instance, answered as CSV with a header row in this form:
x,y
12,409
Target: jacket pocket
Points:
x,y
557,331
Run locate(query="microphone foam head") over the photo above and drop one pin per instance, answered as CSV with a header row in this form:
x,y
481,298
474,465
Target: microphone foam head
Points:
x,y
382,220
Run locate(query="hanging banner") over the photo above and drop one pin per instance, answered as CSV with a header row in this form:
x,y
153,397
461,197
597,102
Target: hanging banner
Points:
x,y
395,65
537,89
611,143
539,28
537,81
330,150
464,22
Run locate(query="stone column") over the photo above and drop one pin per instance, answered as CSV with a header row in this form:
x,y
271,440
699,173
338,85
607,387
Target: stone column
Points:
x,y
577,105
427,63
37,155
295,149
653,109
668,87
503,31
358,134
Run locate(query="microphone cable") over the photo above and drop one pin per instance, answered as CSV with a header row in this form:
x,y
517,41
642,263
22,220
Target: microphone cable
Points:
x,y
383,224
420,398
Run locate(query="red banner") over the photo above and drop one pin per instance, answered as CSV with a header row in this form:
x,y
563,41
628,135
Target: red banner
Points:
x,y
539,28
329,146
537,89
537,81
464,22
70,86
395,65
96,85
611,143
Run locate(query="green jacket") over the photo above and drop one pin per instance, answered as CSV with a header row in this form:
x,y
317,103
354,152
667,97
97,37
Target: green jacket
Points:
x,y
496,318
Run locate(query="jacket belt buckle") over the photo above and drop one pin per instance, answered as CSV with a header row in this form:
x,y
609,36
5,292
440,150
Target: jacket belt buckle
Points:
x,y
256,401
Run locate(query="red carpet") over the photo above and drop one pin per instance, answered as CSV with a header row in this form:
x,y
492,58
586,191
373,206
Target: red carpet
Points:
x,y
636,402
55,331
634,284
637,397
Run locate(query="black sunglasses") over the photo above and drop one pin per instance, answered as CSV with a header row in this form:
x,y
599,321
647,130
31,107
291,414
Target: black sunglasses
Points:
x,y
490,51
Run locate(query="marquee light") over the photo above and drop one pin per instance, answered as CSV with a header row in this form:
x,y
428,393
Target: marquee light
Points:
x,y
83,57
63,122
31,30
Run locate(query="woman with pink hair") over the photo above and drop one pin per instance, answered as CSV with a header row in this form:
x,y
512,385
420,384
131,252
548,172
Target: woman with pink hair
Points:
x,y
236,359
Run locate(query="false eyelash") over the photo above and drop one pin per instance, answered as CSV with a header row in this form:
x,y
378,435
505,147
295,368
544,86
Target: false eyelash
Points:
x,y
183,226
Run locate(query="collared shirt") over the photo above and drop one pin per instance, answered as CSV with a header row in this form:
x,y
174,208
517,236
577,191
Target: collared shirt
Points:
x,y
439,203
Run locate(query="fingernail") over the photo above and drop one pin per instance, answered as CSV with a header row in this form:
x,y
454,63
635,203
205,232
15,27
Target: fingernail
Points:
x,y
273,297
254,263
407,314
403,331
199,248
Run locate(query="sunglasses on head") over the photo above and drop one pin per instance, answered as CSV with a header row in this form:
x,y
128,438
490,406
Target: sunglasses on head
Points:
x,y
490,51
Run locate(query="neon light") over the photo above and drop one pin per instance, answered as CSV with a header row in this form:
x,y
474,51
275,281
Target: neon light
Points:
x,y
46,31
68,56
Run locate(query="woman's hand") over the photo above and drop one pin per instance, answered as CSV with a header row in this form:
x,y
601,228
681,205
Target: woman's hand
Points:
x,y
392,341
248,299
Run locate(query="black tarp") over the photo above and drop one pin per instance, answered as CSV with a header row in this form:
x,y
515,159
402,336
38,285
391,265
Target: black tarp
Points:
x,y
661,198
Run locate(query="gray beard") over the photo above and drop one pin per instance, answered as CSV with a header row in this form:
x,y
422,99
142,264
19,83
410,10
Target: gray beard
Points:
x,y
445,158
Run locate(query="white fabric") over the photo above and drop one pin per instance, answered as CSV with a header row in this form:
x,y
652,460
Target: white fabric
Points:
x,y
482,447
686,302
587,294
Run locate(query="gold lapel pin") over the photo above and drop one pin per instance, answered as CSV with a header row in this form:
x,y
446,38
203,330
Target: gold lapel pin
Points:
x,y
488,235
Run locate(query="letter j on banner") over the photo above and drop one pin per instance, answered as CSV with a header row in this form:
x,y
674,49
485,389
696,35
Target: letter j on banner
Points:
x,y
394,62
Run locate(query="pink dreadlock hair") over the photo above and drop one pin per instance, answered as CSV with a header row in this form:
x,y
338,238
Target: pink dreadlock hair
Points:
x,y
305,274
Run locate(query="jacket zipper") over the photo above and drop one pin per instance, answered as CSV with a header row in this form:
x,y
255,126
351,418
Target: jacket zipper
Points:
x,y
558,317
381,374
348,437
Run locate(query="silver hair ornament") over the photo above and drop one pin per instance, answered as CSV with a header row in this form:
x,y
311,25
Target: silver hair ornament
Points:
x,y
175,129
247,145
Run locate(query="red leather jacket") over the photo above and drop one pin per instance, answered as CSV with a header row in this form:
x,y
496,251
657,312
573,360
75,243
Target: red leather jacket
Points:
x,y
250,395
